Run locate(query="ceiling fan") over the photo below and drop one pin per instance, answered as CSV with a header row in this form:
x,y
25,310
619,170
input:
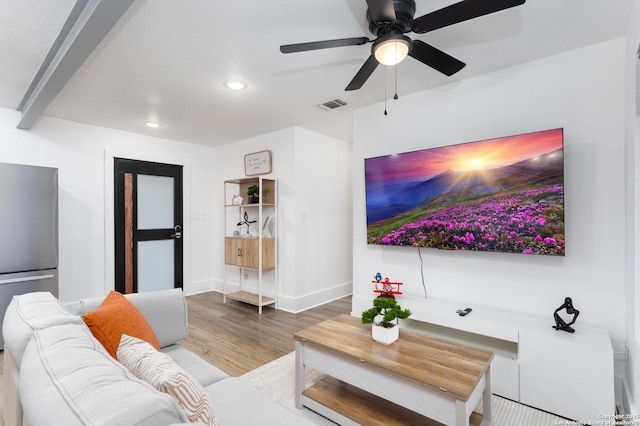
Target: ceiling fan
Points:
x,y
390,20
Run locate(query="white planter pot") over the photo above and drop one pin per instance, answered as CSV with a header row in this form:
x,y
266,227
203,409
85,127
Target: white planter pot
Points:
x,y
385,335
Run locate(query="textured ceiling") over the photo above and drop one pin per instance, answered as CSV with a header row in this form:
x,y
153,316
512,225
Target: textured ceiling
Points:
x,y
166,60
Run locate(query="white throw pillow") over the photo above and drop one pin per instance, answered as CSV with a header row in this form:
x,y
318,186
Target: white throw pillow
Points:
x,y
159,370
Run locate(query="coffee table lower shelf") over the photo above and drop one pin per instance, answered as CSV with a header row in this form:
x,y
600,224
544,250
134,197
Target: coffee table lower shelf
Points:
x,y
333,398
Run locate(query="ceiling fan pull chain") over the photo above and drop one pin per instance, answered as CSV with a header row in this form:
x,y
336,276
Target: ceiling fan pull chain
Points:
x,y
395,74
385,90
395,70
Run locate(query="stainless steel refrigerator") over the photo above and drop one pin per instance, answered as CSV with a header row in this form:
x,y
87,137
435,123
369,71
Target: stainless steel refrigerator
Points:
x,y
29,230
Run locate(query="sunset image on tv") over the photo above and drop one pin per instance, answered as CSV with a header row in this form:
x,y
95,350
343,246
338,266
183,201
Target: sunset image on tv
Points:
x,y
502,195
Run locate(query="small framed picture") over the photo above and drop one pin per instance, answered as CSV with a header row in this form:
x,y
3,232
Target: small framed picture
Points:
x,y
257,163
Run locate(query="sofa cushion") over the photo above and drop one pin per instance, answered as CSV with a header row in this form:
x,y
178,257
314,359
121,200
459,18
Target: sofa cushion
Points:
x,y
68,378
161,372
117,316
164,310
29,312
204,372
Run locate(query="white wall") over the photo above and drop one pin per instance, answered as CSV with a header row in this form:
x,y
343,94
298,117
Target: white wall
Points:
x,y
83,155
581,91
324,223
314,213
631,402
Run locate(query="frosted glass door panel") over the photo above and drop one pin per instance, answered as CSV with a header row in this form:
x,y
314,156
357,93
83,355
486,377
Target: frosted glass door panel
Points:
x,y
155,265
155,202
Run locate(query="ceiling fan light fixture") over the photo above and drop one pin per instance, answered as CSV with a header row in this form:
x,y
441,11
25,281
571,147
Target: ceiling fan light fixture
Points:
x,y
391,50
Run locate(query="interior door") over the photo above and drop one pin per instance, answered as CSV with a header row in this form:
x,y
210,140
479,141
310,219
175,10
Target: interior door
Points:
x,y
148,226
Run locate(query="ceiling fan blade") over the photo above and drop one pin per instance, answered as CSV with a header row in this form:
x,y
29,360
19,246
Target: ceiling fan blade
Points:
x,y
382,10
435,58
459,12
363,74
326,44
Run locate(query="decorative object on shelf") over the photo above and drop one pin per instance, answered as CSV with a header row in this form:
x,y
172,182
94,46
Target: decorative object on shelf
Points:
x,y
253,193
257,163
236,200
561,324
385,331
266,228
246,221
385,287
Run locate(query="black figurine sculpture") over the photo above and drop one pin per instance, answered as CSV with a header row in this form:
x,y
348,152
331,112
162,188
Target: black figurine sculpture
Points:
x,y
562,324
246,221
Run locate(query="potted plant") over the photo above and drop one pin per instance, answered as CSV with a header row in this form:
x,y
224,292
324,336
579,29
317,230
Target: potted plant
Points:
x,y
253,193
385,330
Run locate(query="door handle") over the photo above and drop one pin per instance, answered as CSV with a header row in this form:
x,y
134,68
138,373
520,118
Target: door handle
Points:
x,y
178,232
25,279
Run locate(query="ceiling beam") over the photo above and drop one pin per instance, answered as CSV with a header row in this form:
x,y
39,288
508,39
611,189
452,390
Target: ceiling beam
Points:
x,y
88,23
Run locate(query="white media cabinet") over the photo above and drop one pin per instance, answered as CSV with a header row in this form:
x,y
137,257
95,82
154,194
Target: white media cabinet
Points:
x,y
568,374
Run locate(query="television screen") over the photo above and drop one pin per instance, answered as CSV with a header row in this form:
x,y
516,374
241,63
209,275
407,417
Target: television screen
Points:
x,y
497,195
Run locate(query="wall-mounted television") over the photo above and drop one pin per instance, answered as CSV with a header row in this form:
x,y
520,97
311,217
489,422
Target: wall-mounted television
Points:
x,y
496,195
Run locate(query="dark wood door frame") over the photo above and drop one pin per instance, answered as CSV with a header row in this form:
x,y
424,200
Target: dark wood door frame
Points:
x,y
125,220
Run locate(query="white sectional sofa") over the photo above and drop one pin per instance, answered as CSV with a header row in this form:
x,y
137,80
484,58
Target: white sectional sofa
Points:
x,y
57,373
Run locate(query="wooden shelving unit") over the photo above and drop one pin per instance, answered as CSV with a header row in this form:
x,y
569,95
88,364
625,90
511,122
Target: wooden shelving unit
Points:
x,y
254,246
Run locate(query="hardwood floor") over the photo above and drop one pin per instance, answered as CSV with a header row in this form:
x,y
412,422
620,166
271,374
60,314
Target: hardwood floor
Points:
x,y
236,339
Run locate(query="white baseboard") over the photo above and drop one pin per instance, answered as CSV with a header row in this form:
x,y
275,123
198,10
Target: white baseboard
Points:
x,y
628,405
202,286
311,300
285,303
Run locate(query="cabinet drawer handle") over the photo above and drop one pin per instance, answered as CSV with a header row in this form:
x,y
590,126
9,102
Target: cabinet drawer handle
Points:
x,y
239,252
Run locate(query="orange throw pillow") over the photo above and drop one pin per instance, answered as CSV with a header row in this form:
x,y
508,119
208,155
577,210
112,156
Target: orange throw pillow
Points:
x,y
117,316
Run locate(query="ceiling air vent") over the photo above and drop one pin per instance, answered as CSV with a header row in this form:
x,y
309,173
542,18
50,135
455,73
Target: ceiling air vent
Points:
x,y
331,105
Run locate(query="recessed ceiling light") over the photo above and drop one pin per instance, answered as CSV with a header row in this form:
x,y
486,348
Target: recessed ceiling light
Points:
x,y
152,124
235,85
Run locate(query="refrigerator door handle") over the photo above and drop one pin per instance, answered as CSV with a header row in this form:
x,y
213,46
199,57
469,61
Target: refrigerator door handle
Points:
x,y
23,279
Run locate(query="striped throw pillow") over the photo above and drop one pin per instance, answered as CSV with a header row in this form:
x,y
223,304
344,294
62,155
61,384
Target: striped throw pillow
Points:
x,y
161,372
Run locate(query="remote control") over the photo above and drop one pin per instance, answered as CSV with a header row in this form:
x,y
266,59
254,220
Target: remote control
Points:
x,y
463,312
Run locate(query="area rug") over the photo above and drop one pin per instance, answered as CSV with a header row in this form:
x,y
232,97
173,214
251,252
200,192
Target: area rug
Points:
x,y
276,379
